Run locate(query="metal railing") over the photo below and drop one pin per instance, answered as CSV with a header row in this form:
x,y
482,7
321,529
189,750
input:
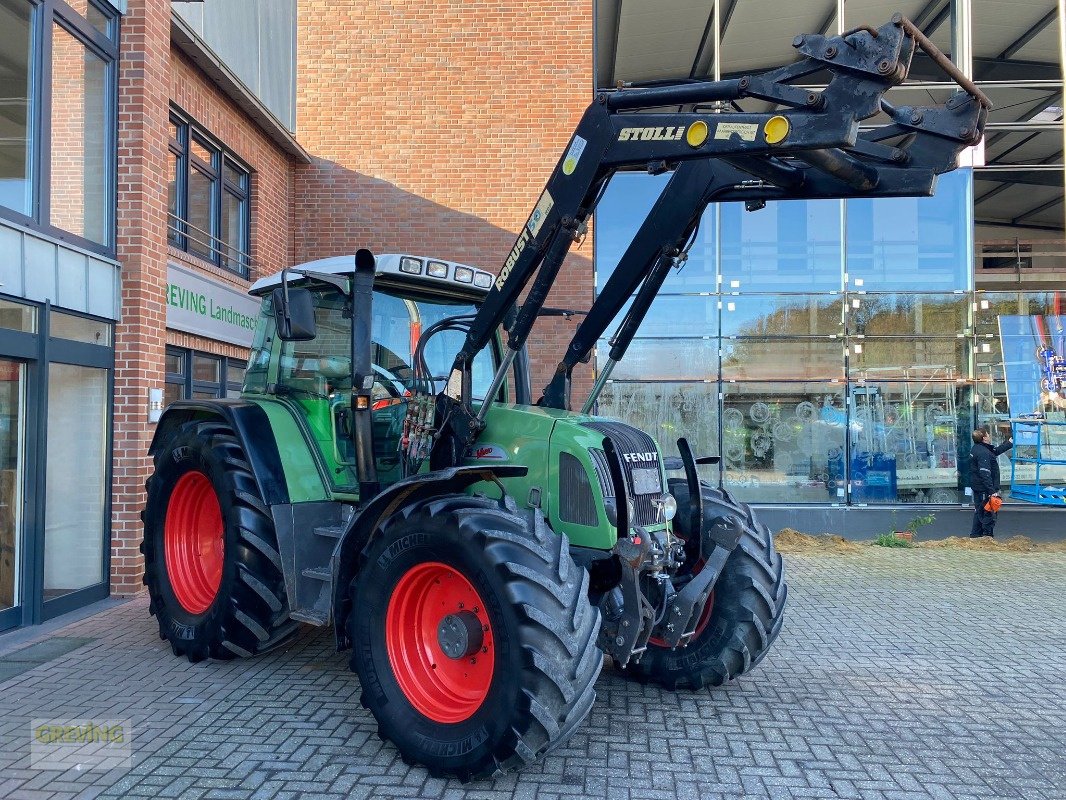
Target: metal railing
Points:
x,y
184,235
1038,461
1016,255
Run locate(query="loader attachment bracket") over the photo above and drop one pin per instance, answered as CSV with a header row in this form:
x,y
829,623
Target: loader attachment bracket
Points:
x,y
683,612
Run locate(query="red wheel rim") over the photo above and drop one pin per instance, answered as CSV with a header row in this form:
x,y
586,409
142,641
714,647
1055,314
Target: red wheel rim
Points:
x,y
193,542
444,689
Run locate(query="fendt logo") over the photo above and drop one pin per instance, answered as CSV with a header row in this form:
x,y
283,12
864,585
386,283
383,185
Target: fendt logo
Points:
x,y
638,458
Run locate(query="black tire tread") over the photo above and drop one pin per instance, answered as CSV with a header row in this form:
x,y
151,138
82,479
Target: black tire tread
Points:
x,y
755,576
256,616
558,629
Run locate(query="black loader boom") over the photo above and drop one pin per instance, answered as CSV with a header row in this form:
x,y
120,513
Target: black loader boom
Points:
x,y
810,146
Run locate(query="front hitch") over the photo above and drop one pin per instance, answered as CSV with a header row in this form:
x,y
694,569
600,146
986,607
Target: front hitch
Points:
x,y
628,616
717,542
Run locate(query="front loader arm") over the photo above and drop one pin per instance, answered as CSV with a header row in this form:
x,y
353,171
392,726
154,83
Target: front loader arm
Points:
x,y
811,148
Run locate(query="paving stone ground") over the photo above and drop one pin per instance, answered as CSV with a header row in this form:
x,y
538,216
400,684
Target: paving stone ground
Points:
x,y
899,674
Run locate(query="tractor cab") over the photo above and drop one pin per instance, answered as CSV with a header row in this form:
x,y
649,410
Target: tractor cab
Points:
x,y
412,295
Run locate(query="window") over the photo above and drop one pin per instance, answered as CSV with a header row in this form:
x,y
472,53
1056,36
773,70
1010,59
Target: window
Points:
x,y
194,375
58,118
209,207
16,106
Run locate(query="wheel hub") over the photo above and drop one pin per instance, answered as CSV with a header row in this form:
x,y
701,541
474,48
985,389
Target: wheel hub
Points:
x,y
459,635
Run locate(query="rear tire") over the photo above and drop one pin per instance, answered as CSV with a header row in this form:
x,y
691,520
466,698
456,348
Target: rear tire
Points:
x,y
512,695
746,608
222,593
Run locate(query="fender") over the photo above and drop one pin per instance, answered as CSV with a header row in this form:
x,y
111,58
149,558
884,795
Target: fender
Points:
x,y
345,562
252,428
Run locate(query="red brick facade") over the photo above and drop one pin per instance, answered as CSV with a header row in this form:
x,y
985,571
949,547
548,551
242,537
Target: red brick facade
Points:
x,y
432,130
153,75
142,251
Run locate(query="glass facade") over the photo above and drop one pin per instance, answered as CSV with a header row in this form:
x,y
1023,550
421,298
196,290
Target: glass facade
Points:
x,y
841,351
58,119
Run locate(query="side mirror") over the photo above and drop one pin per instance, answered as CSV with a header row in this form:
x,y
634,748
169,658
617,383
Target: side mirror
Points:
x,y
294,314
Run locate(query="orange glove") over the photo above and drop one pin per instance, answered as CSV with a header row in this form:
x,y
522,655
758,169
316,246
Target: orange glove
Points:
x,y
994,504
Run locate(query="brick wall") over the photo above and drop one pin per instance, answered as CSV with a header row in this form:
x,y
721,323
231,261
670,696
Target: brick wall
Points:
x,y
152,74
271,185
433,129
142,234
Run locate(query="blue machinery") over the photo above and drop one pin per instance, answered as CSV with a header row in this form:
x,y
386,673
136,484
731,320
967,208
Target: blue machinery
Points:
x,y
1039,458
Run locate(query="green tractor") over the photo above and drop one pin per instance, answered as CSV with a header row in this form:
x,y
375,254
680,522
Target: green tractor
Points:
x,y
386,470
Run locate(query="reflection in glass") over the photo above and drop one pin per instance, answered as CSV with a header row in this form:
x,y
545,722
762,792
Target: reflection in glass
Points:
x,y
80,163
907,359
782,359
625,204
205,369
665,360
675,315
201,195
18,317
232,235
782,315
912,243
16,106
173,231
12,423
95,16
780,440
172,392
791,246
79,329
908,441
668,411
909,314
75,530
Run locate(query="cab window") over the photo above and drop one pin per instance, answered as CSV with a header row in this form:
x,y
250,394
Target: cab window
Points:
x,y
398,324
322,365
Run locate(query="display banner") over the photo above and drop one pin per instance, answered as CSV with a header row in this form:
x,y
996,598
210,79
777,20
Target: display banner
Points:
x,y
200,305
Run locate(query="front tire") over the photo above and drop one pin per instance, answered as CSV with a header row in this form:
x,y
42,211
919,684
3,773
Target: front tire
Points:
x,y
742,618
473,637
212,565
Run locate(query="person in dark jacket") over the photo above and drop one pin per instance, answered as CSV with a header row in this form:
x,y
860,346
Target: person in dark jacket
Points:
x,y
984,480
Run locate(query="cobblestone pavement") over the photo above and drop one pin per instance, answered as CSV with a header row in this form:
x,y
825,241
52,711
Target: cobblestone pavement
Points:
x,y
899,674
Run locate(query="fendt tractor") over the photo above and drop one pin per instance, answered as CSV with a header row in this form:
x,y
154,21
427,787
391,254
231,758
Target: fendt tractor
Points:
x,y
388,471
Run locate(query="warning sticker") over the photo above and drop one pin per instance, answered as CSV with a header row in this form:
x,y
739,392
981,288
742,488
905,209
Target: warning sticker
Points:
x,y
540,213
573,155
746,131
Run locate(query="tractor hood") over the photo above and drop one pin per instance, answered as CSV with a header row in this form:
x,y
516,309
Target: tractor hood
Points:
x,y
568,476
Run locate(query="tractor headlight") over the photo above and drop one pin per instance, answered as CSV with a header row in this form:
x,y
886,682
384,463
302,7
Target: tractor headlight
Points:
x,y
412,266
668,505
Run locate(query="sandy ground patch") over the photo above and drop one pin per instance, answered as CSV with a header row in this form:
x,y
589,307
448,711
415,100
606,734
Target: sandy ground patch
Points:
x,y
789,540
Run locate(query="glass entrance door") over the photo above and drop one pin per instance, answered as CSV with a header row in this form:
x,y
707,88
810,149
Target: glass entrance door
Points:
x,y
75,526
12,450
